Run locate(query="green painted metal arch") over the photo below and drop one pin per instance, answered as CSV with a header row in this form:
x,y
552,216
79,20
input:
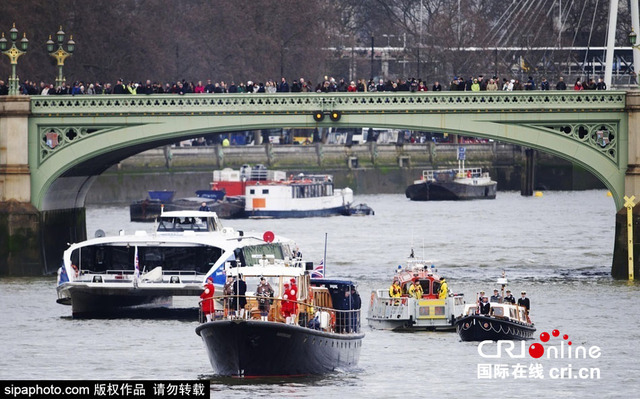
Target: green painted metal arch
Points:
x,y
87,127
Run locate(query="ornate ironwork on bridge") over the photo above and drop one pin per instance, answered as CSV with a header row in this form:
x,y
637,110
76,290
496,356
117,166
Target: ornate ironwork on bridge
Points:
x,y
589,128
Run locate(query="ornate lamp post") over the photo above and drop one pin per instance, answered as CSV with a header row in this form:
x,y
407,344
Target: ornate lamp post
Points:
x,y
14,53
60,54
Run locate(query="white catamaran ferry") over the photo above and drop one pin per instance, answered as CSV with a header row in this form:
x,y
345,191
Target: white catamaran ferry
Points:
x,y
302,196
106,275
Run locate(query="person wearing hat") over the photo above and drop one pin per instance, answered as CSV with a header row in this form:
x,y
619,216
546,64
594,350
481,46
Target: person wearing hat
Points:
x,y
206,303
484,307
524,301
444,289
496,296
286,307
227,293
509,298
480,297
264,292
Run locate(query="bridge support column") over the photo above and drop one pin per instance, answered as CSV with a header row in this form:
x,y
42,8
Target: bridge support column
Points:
x,y
19,219
528,177
620,265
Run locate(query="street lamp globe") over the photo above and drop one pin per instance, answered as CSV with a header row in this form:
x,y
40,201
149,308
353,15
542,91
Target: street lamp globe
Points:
x,y
50,45
13,33
24,43
3,43
632,37
71,45
60,36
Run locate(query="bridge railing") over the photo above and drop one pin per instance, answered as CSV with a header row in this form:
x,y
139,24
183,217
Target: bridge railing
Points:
x,y
288,103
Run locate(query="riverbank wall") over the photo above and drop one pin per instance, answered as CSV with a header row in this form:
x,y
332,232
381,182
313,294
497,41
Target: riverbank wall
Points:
x,y
368,168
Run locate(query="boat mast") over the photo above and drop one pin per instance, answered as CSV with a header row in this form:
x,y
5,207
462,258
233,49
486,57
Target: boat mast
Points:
x,y
324,257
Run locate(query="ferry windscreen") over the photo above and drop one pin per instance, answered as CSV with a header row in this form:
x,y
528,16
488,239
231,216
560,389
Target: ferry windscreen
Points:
x,y
109,258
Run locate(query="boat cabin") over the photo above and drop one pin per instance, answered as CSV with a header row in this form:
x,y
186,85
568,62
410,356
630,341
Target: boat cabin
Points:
x,y
181,221
504,311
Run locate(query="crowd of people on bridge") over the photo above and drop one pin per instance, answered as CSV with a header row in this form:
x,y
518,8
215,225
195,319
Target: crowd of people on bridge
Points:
x,y
301,85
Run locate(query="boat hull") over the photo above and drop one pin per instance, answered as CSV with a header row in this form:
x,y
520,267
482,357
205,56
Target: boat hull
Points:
x,y
487,328
87,300
409,314
448,191
251,348
281,214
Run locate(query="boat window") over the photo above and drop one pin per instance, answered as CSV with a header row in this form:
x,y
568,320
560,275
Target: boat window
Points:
x,y
252,191
103,258
513,314
184,224
425,286
436,287
265,191
498,311
439,310
424,311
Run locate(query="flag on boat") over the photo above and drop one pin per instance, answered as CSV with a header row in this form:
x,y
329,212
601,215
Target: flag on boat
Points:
x,y
136,262
318,272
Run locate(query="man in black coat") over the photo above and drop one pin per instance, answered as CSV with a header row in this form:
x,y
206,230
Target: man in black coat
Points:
x,y
524,301
509,298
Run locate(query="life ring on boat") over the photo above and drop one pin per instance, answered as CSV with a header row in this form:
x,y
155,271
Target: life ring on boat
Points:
x,y
469,173
373,294
332,321
76,273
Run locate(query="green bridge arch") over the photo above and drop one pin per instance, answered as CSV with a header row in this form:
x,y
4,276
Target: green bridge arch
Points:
x,y
74,139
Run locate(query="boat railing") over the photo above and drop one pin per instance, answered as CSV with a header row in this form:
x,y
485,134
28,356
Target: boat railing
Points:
x,y
304,314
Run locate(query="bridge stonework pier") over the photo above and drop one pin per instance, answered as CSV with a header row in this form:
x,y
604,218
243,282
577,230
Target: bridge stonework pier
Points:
x,y
620,267
30,240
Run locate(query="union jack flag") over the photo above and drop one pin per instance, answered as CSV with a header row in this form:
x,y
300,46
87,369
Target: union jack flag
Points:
x,y
318,272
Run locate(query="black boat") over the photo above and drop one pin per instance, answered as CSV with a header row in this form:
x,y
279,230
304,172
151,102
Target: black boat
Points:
x,y
505,322
320,335
452,184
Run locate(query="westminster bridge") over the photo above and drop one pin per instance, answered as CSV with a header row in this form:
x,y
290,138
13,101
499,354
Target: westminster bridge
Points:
x,y
53,147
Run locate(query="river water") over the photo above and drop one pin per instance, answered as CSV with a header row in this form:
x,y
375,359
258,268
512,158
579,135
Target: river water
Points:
x,y
557,247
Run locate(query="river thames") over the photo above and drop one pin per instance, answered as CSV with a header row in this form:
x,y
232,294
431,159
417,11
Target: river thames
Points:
x,y
557,247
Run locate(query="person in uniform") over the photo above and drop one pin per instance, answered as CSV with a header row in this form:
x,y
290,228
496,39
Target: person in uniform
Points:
x,y
285,304
240,288
264,292
509,298
204,207
415,290
444,289
524,301
495,297
227,291
485,306
206,297
395,291
293,297
480,297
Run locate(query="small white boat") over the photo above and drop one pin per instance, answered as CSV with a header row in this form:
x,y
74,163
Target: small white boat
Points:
x,y
302,196
106,275
405,311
